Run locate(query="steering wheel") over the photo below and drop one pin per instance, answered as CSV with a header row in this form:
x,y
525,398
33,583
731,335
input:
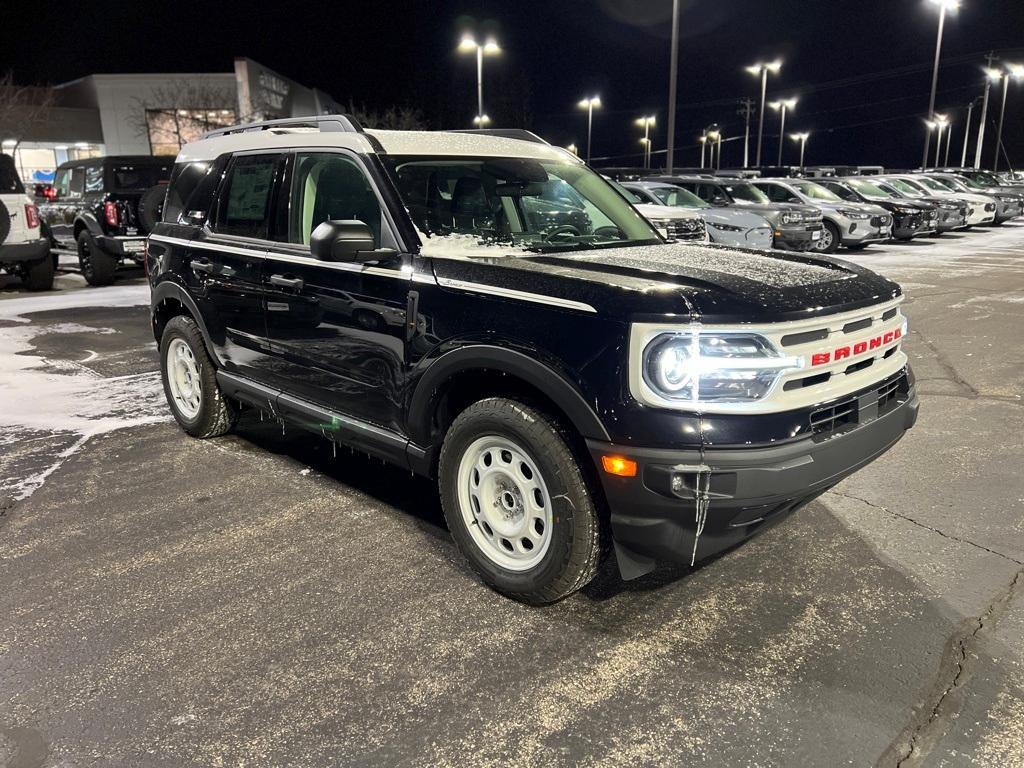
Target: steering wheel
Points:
x,y
608,230
565,229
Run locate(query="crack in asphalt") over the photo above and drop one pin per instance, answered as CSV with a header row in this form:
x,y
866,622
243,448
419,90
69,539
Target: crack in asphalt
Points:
x,y
947,366
923,733
927,527
1005,399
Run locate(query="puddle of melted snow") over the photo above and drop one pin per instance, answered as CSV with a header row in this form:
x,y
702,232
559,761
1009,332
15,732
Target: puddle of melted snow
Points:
x,y
61,397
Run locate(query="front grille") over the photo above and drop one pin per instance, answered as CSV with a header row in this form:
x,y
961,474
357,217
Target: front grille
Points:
x,y
879,221
685,229
846,414
828,420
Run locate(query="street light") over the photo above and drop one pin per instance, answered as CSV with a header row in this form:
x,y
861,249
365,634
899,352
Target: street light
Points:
x,y
646,122
992,75
940,123
589,103
468,44
763,69
481,120
944,5
573,148
1016,71
703,143
715,137
781,106
802,138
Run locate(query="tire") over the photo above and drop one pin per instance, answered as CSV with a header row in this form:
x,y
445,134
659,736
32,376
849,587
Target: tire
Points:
x,y
829,241
532,476
151,206
38,276
213,414
5,222
98,268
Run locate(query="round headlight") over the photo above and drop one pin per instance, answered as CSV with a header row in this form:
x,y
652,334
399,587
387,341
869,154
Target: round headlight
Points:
x,y
670,365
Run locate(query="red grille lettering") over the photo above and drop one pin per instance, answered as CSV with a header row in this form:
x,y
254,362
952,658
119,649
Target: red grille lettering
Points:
x,y
820,358
860,348
842,352
875,343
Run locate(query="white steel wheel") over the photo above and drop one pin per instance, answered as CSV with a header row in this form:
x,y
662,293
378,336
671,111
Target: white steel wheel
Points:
x,y
504,503
183,379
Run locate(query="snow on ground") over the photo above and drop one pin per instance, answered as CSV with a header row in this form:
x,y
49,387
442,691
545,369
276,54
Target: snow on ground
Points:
x,y
63,397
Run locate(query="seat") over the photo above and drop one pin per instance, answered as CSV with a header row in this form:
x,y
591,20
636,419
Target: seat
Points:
x,y
471,211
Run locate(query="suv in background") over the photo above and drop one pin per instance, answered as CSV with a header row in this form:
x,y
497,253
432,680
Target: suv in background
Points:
x,y
795,227
102,208
672,221
851,225
909,219
952,214
24,251
575,384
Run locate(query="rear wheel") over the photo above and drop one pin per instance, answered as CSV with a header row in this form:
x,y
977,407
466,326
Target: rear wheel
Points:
x,y
517,503
98,268
829,241
38,276
190,381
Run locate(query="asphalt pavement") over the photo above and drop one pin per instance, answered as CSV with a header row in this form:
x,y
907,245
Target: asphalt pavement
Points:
x,y
254,600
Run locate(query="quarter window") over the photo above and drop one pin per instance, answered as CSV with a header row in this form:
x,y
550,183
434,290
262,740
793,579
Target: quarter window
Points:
x,y
329,187
77,181
62,184
245,202
94,178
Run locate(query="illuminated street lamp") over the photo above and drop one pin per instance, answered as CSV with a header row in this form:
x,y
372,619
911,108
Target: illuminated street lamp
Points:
x,y
781,106
481,120
573,148
992,75
468,44
763,69
802,138
939,125
944,6
646,122
589,103
703,143
1015,71
715,137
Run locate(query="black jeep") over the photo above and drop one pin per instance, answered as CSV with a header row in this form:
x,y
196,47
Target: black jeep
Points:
x,y
103,208
573,382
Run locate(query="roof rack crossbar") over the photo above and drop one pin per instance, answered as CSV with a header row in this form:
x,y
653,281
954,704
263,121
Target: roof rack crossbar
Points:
x,y
324,123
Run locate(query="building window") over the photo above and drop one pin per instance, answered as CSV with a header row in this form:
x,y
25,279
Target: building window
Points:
x,y
169,129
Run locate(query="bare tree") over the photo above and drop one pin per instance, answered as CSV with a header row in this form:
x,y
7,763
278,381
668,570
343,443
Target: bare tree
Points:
x,y
23,108
183,110
391,118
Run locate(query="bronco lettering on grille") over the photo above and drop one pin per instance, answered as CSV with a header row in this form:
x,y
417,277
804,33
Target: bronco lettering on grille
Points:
x,y
841,353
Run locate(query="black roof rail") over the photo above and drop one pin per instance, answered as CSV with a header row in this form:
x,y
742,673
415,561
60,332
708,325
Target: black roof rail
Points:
x,y
505,133
325,123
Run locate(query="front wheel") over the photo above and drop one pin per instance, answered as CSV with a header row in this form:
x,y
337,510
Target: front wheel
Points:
x,y
517,503
190,381
829,241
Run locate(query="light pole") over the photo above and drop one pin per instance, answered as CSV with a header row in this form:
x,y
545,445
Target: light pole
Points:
x,y
590,104
672,73
646,122
944,5
703,144
802,138
992,75
489,47
715,137
1016,71
967,134
941,121
763,69
781,106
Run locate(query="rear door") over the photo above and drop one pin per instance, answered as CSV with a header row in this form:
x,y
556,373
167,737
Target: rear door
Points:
x,y
224,263
337,330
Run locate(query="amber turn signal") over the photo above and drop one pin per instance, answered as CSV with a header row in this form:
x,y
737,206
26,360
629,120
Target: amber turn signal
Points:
x,y
619,465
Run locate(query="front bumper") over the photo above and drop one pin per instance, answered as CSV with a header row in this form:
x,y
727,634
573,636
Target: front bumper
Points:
x,y
864,231
654,514
906,226
798,238
123,246
1007,210
19,253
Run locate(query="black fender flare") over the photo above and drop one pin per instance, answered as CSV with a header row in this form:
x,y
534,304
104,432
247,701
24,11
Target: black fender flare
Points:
x,y
171,290
90,223
488,357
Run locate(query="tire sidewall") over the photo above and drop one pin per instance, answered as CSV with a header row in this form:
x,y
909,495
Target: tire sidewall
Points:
x,y
563,516
833,231
185,329
97,267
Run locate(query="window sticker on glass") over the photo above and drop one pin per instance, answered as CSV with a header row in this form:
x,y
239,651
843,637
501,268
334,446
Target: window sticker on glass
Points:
x,y
250,188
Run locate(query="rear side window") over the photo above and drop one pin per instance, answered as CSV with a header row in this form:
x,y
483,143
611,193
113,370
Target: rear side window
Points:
x,y
138,177
191,190
77,181
94,178
245,199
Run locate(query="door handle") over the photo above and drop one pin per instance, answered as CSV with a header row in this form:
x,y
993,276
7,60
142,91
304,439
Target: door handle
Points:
x,y
282,281
202,265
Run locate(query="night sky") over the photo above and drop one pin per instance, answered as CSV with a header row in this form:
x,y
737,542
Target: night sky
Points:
x,y
861,68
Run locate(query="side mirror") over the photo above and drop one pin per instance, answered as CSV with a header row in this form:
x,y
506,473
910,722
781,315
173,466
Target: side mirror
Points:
x,y
350,240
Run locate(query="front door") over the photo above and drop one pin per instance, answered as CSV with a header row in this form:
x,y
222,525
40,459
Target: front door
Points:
x,y
337,330
226,263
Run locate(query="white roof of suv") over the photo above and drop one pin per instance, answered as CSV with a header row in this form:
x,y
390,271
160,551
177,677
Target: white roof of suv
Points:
x,y
444,143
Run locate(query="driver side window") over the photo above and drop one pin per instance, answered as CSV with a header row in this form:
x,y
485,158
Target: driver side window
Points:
x,y
327,186
778,194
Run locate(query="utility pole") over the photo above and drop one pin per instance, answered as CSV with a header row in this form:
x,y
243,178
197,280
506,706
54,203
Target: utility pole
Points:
x,y
967,134
673,66
935,76
746,112
984,108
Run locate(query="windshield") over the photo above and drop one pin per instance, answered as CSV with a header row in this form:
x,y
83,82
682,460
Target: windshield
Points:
x,y
629,195
905,187
868,189
927,183
966,184
947,184
747,193
485,205
816,191
677,196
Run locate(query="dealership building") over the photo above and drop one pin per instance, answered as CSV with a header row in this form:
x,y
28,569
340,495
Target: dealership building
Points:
x,y
142,114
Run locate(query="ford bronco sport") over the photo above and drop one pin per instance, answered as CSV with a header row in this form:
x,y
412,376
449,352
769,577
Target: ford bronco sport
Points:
x,y
574,383
24,251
